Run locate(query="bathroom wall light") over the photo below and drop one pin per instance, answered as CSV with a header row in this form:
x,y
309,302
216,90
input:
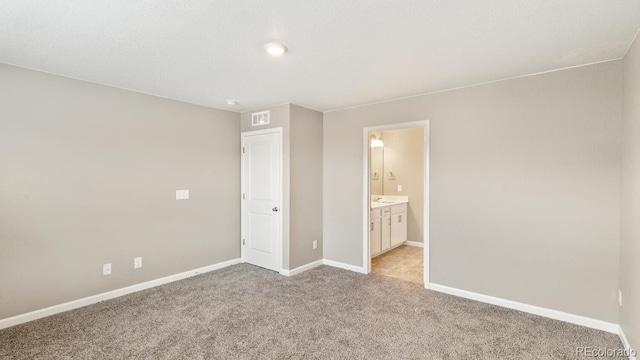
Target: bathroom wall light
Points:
x,y
376,142
275,49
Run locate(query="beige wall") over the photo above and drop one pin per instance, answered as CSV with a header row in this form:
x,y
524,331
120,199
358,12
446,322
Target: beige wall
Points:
x,y
524,186
630,234
306,186
404,155
88,176
525,192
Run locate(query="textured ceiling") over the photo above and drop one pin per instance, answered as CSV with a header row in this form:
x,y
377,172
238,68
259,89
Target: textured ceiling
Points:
x,y
341,52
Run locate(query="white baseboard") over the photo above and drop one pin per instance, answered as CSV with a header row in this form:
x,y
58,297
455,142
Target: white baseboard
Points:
x,y
532,309
553,314
74,304
358,269
302,268
625,342
414,243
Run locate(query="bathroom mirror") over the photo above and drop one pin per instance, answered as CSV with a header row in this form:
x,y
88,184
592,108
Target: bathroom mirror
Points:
x,y
396,162
377,165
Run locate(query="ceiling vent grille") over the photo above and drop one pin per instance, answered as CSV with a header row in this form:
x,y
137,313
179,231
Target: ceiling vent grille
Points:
x,y
260,118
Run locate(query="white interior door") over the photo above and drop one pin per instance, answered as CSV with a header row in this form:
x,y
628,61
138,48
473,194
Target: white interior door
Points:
x,y
261,198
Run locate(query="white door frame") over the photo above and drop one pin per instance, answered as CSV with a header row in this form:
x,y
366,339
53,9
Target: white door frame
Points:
x,y
366,182
242,184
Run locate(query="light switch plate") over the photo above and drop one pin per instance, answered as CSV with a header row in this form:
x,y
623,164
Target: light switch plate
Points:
x,y
399,188
137,263
182,194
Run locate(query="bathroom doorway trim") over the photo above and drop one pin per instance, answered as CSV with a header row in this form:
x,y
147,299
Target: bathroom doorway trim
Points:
x,y
366,205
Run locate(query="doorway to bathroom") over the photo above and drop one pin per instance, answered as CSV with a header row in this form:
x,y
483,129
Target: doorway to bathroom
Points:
x,y
396,201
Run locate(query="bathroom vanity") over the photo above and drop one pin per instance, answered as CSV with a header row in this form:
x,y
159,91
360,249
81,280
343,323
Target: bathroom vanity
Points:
x,y
388,223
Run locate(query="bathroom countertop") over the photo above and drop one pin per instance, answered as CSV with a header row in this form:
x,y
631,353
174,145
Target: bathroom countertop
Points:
x,y
388,200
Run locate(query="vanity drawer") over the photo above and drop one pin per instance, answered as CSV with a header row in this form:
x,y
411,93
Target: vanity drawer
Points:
x,y
400,208
375,213
386,211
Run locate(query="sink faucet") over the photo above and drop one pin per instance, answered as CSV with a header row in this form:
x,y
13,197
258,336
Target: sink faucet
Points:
x,y
375,199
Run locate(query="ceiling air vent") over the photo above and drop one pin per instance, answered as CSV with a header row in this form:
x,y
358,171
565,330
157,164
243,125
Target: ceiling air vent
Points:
x,y
260,118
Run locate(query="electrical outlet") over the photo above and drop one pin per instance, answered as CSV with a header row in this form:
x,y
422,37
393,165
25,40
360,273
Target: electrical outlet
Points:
x,y
137,263
315,244
106,269
620,297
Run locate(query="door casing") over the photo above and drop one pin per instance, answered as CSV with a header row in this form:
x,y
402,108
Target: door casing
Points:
x,y
366,185
282,209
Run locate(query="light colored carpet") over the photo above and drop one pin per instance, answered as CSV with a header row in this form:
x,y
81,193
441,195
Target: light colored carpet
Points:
x,y
404,262
245,312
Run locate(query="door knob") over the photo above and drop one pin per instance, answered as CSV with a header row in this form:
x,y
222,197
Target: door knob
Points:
x,y
275,209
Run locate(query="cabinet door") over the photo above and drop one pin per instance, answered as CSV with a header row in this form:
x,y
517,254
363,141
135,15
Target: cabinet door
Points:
x,y
374,237
385,233
398,229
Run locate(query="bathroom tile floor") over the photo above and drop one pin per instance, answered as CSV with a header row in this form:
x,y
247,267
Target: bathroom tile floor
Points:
x,y
404,262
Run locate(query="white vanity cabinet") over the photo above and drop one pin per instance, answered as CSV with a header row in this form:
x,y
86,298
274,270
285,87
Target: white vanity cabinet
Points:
x,y
374,232
398,224
388,228
385,229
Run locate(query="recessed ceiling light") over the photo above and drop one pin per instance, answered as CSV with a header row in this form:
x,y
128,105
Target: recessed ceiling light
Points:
x,y
232,102
275,49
